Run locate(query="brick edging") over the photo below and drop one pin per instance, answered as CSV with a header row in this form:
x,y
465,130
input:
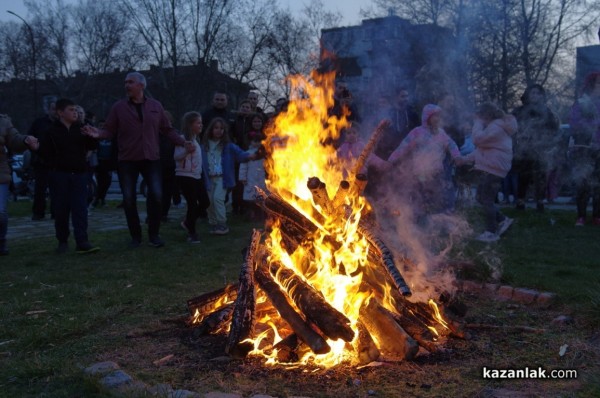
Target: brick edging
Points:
x,y
506,292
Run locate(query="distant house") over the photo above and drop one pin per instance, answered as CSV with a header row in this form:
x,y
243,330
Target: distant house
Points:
x,y
383,54
192,90
588,60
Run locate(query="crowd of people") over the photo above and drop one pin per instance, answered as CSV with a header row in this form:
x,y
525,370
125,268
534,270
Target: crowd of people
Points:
x,y
217,158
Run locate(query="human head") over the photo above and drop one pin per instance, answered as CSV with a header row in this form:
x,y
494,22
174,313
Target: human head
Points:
x,y
489,111
431,115
217,131
67,111
245,106
135,83
341,89
534,94
281,104
219,100
402,97
257,122
191,125
80,113
50,109
253,98
591,84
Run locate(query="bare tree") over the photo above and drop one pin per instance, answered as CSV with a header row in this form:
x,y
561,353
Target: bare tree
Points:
x,y
15,51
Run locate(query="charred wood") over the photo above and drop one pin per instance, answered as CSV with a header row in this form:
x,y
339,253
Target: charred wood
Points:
x,y
215,322
365,346
313,305
281,302
318,190
209,302
368,149
388,335
242,322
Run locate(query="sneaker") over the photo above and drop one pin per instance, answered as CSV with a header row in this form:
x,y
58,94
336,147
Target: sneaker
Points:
x,y
184,226
62,247
504,225
135,243
221,230
487,236
580,222
213,229
86,248
596,221
156,241
193,238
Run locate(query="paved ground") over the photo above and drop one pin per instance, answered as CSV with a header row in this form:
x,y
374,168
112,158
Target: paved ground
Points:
x,y
110,218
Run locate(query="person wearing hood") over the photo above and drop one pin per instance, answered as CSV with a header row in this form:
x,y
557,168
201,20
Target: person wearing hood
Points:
x,y
423,152
492,158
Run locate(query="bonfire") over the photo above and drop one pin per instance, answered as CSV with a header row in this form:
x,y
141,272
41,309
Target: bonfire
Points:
x,y
318,284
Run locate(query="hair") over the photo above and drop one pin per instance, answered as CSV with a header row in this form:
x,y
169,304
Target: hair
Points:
x,y
259,116
63,103
139,77
490,111
589,82
186,123
208,133
525,96
245,102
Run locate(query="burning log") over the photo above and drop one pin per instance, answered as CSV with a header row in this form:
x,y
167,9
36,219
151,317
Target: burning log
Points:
x,y
319,193
387,258
207,303
313,305
416,329
366,152
287,348
390,337
281,302
340,197
365,346
215,321
360,182
242,322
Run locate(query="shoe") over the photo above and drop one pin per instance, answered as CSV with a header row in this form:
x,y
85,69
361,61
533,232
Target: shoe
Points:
x,y
156,241
62,247
213,229
193,238
504,225
36,217
520,205
487,236
86,248
539,207
596,221
580,222
135,243
221,230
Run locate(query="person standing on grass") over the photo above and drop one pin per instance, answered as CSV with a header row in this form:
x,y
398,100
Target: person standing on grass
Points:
x,y
585,154
65,148
492,158
10,140
188,171
218,157
137,121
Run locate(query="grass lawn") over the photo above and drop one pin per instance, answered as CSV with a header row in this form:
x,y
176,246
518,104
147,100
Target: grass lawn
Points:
x,y
60,313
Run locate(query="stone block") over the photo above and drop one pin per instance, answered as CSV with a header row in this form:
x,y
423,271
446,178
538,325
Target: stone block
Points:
x,y
217,394
504,293
101,368
490,289
524,296
116,379
472,287
545,298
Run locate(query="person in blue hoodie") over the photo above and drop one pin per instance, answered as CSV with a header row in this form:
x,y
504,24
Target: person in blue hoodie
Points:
x,y
219,156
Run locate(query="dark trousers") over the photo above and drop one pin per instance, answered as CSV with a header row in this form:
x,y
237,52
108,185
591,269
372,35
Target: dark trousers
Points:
x,y
487,189
194,192
586,175
531,171
39,192
68,193
103,179
129,171
168,187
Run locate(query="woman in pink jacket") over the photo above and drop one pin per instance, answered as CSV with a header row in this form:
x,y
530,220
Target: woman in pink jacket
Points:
x,y
492,136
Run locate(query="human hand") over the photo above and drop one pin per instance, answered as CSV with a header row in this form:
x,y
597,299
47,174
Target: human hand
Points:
x,y
32,142
189,147
90,131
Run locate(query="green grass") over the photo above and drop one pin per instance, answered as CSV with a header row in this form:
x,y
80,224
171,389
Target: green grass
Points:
x,y
93,304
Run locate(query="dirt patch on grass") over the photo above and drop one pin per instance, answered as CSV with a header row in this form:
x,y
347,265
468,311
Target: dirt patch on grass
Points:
x,y
199,364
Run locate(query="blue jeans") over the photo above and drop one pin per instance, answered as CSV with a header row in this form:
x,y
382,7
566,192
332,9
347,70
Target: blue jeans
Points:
x,y
3,210
151,171
68,195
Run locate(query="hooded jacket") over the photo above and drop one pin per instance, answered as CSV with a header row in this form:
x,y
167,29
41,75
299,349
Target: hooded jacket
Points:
x,y
9,139
493,145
